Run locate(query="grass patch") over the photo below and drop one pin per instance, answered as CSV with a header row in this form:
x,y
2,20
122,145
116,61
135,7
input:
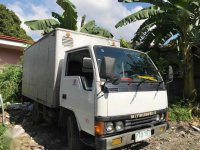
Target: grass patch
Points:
x,y
180,113
183,112
3,141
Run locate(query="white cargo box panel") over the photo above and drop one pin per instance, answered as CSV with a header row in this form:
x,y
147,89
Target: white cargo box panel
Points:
x,y
43,61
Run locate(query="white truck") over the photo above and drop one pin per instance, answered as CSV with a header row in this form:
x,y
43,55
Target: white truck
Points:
x,y
105,96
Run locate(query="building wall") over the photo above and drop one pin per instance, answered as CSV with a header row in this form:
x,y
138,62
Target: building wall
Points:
x,y
9,56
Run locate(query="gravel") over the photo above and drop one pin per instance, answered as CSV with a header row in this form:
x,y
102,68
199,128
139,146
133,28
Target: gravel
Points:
x,y
181,135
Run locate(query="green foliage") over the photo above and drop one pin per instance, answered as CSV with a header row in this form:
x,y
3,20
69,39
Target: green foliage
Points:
x,y
10,83
180,113
125,44
10,24
92,28
3,142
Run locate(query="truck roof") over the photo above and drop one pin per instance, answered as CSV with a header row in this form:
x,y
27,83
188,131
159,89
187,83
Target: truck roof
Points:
x,y
75,32
82,33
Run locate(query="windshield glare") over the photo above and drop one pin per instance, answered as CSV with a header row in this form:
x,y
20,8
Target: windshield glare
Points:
x,y
130,64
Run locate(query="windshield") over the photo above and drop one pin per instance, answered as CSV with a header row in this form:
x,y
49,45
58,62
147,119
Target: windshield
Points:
x,y
130,64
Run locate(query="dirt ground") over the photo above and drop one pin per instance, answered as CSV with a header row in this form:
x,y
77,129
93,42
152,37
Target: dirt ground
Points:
x,y
29,136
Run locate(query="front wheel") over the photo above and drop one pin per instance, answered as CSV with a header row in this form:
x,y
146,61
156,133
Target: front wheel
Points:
x,y
73,137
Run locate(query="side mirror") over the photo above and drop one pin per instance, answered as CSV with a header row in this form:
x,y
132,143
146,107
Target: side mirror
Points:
x,y
107,67
87,64
170,76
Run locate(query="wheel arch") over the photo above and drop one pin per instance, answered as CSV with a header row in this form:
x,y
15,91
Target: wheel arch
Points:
x,y
66,112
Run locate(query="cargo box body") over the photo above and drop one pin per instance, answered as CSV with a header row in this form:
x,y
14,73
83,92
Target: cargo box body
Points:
x,y
43,63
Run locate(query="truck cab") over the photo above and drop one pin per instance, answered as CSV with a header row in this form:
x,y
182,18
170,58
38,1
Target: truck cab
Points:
x,y
117,95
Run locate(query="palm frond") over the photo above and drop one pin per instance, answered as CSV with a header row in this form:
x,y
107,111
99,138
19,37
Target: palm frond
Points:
x,y
45,24
140,15
92,28
70,14
154,2
83,20
57,16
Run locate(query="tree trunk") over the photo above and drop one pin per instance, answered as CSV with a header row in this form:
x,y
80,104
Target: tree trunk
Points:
x,y
189,83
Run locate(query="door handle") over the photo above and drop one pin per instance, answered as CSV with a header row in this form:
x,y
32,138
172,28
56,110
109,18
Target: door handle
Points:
x,y
64,96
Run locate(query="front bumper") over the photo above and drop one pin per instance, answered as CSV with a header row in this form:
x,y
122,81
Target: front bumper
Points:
x,y
127,138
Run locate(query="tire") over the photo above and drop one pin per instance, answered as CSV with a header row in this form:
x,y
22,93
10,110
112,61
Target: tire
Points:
x,y
36,115
73,137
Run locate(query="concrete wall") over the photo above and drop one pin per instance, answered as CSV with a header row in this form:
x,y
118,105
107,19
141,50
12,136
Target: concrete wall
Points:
x,y
9,56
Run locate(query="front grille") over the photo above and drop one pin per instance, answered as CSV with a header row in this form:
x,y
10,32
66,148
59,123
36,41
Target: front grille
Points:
x,y
140,123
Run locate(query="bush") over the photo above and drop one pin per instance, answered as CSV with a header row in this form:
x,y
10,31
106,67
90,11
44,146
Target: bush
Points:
x,y
10,83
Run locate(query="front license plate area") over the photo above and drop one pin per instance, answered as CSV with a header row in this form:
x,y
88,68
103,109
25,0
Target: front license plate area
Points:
x,y
116,141
142,135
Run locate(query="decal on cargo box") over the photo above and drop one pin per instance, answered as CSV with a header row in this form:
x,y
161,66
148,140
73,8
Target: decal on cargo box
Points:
x,y
67,42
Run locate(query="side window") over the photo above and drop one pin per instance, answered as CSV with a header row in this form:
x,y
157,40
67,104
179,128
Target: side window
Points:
x,y
79,63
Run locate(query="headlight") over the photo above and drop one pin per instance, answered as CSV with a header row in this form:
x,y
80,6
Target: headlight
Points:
x,y
109,127
119,126
157,117
162,116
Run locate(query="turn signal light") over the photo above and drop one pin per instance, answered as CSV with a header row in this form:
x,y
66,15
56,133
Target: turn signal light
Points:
x,y
162,129
99,128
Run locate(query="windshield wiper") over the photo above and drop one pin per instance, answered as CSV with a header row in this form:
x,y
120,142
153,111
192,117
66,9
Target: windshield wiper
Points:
x,y
159,83
112,80
115,80
138,85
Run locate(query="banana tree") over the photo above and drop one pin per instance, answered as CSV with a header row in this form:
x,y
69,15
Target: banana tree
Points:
x,y
91,28
68,20
167,19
